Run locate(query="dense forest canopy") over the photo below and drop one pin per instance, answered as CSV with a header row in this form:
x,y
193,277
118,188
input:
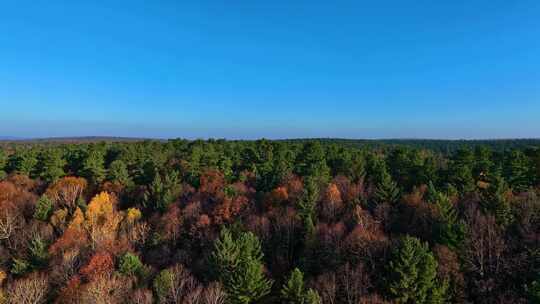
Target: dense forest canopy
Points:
x,y
290,221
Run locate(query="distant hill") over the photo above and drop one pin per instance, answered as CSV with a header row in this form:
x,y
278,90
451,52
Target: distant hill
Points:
x,y
82,139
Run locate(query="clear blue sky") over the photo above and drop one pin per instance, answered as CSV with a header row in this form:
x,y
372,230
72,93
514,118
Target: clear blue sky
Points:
x,y
275,69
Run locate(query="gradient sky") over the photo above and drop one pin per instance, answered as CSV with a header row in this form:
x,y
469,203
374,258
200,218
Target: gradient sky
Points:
x,y
275,69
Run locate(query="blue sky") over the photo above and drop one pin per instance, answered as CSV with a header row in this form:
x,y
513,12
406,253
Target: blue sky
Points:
x,y
275,69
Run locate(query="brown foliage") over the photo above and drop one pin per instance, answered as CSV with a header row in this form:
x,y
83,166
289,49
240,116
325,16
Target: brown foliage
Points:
x,y
67,190
101,263
29,290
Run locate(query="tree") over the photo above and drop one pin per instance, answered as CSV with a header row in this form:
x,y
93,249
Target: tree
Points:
x,y
495,200
294,291
94,165
517,171
23,161
66,191
387,190
3,162
30,290
307,204
51,165
44,208
412,273
118,172
161,193
237,263
130,264
450,230
177,285
311,161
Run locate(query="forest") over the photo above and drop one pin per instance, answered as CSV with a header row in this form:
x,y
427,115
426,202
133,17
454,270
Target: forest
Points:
x,y
289,221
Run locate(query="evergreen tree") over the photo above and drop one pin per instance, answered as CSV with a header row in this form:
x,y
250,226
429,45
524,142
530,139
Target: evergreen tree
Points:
x,y
387,190
23,161
238,264
51,163
494,200
412,274
450,230
44,208
94,165
311,161
307,204
118,172
294,291
517,171
130,264
3,162
161,193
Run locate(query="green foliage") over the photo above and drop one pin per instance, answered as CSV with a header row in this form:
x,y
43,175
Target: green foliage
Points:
x,y
160,194
494,200
118,172
162,284
517,171
94,165
387,190
450,230
307,205
44,208
39,256
23,161
294,291
3,163
237,263
412,273
20,267
312,162
51,163
130,264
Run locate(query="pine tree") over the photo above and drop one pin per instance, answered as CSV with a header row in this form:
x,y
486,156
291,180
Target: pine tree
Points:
x,y
517,171
44,208
51,163
238,265
450,231
161,193
387,190
23,161
307,204
3,162
294,291
412,274
312,162
94,165
494,200
118,172
130,264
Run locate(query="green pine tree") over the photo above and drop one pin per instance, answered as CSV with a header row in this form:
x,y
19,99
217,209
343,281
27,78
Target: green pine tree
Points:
x,y
23,161
294,291
94,165
412,274
130,264
387,190
51,163
161,193
118,172
494,200
44,208
238,265
3,163
307,204
450,231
